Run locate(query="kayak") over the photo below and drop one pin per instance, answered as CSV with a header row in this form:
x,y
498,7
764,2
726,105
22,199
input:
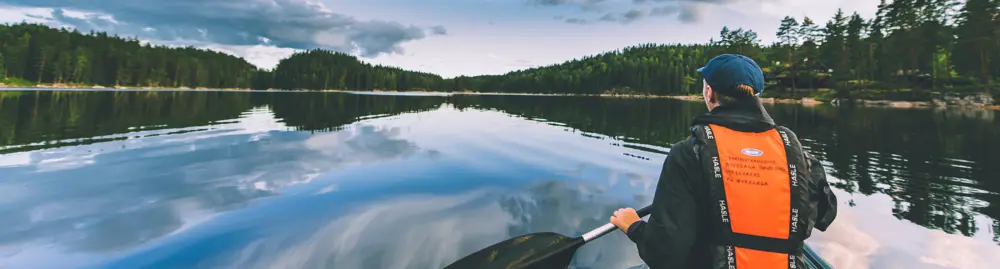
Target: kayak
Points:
x,y
813,260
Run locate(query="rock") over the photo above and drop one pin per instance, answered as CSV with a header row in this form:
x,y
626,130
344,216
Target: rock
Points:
x,y
909,104
955,99
938,102
875,102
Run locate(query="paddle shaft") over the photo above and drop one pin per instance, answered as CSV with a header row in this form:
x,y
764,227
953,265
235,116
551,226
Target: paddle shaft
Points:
x,y
609,227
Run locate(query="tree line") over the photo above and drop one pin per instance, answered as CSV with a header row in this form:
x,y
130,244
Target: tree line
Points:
x,y
37,54
321,69
941,45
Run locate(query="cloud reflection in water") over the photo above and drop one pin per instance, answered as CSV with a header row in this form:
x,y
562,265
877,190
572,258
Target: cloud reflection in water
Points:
x,y
111,197
430,231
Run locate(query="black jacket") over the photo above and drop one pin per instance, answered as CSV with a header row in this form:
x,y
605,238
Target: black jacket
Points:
x,y
676,235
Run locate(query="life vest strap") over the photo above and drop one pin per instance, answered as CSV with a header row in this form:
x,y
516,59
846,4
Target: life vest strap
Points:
x,y
761,243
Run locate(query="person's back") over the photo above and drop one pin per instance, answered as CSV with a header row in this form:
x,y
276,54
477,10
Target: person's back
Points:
x,y
739,192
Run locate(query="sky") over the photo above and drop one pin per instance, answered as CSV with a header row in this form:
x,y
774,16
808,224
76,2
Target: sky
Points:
x,y
445,37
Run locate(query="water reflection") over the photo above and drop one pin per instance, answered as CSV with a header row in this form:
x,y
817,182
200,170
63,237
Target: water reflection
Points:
x,y
438,229
647,122
114,196
48,117
253,180
932,163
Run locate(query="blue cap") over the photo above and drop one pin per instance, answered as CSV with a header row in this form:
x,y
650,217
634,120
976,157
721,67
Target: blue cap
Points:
x,y
727,71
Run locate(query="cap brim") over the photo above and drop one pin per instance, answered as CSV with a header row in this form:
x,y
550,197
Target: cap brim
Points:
x,y
700,69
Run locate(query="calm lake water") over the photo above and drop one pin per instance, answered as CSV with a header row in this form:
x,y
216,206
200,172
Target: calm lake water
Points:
x,y
195,179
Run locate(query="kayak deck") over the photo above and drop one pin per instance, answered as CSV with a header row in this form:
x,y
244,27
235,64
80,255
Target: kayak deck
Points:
x,y
813,260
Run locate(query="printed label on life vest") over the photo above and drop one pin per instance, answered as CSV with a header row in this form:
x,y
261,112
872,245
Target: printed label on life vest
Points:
x,y
792,173
795,220
784,138
757,182
716,168
708,132
723,211
731,257
752,152
748,171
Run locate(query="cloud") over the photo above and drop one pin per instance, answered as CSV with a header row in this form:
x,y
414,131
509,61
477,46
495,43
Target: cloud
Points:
x,y
691,14
695,1
564,2
585,5
439,30
687,11
626,17
576,21
300,24
550,2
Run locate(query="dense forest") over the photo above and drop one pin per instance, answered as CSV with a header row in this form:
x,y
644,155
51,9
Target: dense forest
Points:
x,y
36,54
939,45
319,69
910,44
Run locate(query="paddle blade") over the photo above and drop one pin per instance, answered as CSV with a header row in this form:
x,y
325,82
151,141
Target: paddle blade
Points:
x,y
530,251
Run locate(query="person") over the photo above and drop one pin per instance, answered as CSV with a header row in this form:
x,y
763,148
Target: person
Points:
x,y
740,192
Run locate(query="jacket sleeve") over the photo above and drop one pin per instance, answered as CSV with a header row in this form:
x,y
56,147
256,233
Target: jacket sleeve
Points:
x,y
826,206
666,240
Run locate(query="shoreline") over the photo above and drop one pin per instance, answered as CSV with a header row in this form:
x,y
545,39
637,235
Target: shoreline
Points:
x,y
60,86
805,101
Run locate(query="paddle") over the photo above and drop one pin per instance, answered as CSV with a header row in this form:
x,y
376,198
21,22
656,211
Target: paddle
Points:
x,y
537,250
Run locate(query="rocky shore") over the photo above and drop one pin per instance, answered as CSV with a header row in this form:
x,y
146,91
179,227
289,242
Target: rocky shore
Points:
x,y
981,100
978,100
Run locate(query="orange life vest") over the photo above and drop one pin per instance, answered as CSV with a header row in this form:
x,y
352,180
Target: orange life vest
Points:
x,y
757,180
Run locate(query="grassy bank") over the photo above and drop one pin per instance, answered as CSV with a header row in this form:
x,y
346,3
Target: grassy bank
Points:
x,y
11,82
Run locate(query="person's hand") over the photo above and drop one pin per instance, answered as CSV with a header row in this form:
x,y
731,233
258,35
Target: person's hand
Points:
x,y
624,217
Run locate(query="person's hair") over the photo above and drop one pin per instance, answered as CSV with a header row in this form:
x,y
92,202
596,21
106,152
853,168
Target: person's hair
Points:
x,y
740,93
